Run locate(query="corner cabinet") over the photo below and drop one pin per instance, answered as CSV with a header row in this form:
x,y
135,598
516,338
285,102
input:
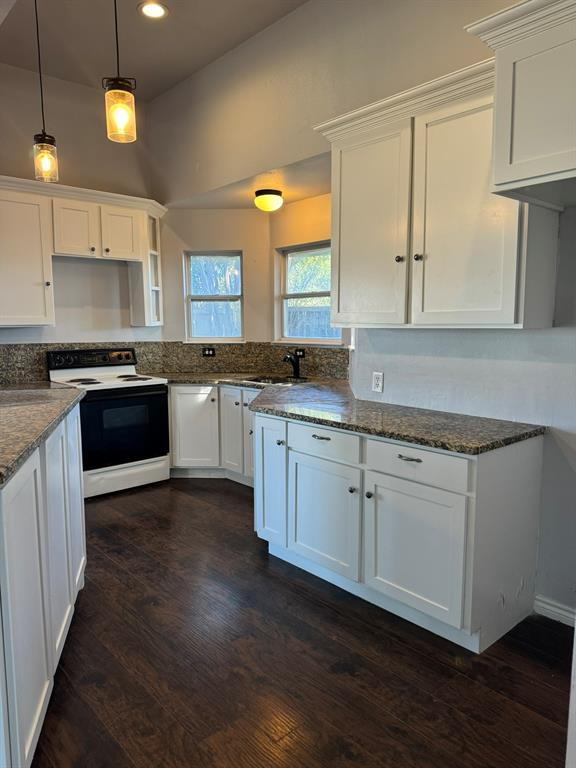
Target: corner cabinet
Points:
x,y
535,117
38,221
195,437
42,558
413,216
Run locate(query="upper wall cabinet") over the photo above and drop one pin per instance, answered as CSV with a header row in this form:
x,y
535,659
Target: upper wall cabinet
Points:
x,y
26,291
413,216
40,220
535,114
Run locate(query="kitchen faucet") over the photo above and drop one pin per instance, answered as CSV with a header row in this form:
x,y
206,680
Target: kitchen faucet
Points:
x,y
291,357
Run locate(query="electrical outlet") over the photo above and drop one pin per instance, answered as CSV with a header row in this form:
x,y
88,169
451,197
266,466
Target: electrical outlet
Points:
x,y
300,353
208,351
377,381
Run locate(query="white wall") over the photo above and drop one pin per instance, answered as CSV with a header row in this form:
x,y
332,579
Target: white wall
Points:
x,y
253,109
520,375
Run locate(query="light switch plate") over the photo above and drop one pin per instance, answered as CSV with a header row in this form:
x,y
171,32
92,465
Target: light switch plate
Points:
x,y
377,381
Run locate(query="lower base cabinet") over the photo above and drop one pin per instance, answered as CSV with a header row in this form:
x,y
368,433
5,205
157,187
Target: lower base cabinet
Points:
x,y
415,545
324,513
270,480
42,558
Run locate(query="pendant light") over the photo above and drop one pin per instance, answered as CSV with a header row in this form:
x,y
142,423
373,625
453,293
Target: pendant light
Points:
x,y
268,199
45,153
119,100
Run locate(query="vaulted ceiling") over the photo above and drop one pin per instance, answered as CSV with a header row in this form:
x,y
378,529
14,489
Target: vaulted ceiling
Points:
x,y
78,37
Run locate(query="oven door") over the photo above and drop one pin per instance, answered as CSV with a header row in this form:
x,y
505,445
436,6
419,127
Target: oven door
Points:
x,y
121,426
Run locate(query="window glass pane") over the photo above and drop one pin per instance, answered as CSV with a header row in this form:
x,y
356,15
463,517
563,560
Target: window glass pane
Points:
x,y
309,319
308,271
220,319
215,275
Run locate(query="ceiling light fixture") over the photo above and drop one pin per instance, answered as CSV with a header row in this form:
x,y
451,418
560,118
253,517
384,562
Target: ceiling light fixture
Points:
x,y
268,200
153,10
45,153
119,100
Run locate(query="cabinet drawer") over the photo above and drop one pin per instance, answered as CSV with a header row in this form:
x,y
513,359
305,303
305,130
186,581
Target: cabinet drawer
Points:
x,y
318,441
450,472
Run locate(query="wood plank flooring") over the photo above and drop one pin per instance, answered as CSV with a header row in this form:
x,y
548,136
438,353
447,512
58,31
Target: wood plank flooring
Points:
x,y
191,647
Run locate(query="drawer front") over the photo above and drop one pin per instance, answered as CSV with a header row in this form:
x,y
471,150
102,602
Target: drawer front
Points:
x,y
450,472
328,443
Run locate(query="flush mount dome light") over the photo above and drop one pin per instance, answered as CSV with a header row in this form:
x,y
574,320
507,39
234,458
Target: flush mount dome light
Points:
x,y
153,10
268,199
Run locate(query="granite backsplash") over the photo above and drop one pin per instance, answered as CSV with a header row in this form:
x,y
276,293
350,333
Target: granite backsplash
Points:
x,y
26,363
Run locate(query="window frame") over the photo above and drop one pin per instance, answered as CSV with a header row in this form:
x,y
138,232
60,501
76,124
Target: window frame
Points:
x,y
190,298
283,295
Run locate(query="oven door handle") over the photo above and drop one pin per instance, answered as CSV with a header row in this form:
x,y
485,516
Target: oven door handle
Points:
x,y
120,393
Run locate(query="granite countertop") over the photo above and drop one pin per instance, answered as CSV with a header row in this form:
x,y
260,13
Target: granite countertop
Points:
x,y
28,414
234,379
333,404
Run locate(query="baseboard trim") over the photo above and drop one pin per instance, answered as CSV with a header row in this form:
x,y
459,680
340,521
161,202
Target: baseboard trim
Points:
x,y
544,606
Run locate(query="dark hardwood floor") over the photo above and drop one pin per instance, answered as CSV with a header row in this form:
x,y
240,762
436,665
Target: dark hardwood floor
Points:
x,y
190,646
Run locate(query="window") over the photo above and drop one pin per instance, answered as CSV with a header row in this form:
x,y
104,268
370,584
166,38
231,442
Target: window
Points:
x,y
306,294
214,295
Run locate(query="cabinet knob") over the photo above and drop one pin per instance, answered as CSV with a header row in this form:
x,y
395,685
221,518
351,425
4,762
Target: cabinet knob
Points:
x,y
250,431
92,249
351,489
369,494
398,259
106,250
245,405
418,257
280,442
212,399
237,402
47,283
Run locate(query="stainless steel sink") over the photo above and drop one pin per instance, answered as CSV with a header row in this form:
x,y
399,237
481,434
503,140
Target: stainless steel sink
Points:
x,y
286,381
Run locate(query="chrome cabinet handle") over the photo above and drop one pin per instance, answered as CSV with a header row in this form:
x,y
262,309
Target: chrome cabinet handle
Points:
x,y
418,257
321,437
351,489
409,458
369,494
280,442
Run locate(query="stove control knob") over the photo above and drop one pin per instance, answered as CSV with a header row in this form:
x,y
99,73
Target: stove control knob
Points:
x,y
58,361
69,360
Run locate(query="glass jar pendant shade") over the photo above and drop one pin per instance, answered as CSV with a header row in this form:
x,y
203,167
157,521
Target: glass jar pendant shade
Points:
x,y
119,100
45,152
45,157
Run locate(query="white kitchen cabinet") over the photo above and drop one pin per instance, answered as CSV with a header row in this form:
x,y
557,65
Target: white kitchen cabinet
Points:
x,y
123,232
270,479
248,430
60,592
371,205
75,498
25,614
77,230
324,513
231,430
415,544
195,436
26,291
469,259
535,120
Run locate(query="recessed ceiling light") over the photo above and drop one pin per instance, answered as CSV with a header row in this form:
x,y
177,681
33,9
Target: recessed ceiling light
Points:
x,y
153,9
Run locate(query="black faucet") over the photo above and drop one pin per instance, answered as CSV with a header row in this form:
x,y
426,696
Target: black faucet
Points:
x,y
291,357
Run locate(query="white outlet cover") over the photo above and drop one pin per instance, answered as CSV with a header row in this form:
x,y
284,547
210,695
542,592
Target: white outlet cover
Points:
x,y
377,381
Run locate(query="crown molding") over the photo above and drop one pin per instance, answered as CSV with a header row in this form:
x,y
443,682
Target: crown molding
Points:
x,y
475,80
77,193
523,20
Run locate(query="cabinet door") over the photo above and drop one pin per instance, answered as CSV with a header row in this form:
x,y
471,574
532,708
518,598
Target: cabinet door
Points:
x,y
270,473
76,228
59,588
195,438
248,430
535,125
414,545
324,513
371,198
24,612
465,238
123,233
26,292
231,429
76,521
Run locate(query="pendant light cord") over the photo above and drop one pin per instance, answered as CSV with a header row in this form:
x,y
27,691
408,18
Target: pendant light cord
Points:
x,y
117,45
40,65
